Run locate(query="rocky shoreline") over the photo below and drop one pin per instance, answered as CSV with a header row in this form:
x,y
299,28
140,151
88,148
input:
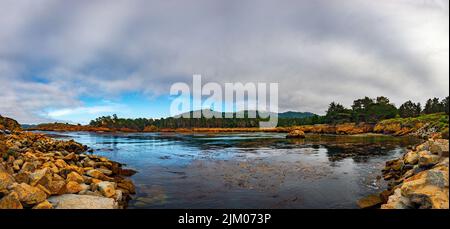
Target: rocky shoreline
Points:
x,y
39,172
395,127
417,180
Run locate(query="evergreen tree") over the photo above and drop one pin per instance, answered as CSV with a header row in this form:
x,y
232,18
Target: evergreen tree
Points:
x,y
409,109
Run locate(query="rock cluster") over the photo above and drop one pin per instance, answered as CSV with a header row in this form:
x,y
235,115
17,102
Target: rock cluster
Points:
x,y
340,129
296,134
42,173
7,125
419,179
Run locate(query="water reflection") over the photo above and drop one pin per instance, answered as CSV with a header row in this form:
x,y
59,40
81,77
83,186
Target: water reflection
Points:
x,y
248,170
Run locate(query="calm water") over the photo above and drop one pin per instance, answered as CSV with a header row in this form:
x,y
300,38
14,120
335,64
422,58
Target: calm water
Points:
x,y
248,170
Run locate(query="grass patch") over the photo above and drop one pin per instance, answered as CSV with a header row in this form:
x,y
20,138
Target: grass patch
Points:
x,y
438,120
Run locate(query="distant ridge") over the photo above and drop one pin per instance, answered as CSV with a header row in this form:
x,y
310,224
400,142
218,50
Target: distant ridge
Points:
x,y
295,114
288,114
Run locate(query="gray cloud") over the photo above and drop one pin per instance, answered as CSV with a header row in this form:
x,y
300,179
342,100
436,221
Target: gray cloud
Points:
x,y
53,52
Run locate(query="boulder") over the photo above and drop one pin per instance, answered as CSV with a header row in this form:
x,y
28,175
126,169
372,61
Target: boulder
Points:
x,y
384,195
44,205
34,167
70,157
423,180
371,201
72,201
127,185
107,189
22,177
126,172
60,163
425,190
97,174
411,158
74,187
11,201
397,201
88,162
426,159
5,180
296,134
17,164
28,167
28,194
395,165
74,176
105,171
439,147
44,189
8,124
37,176
56,186
428,189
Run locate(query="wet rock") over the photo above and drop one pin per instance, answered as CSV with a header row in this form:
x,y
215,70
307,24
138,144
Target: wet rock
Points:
x,y
128,185
396,164
72,201
127,172
296,134
154,195
371,201
397,201
11,201
384,195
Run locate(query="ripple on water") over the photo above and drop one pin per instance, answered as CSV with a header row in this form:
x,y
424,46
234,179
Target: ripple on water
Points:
x,y
248,170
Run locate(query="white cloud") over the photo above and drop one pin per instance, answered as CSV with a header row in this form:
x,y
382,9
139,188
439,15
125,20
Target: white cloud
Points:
x,y
318,51
95,110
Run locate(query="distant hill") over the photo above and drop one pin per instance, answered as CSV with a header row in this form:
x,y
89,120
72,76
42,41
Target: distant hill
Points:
x,y
28,126
295,114
288,114
9,124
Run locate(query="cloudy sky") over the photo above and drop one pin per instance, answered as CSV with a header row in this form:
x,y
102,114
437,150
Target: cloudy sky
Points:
x,y
75,60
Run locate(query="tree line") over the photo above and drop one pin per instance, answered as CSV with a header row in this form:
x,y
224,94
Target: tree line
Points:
x,y
368,110
373,110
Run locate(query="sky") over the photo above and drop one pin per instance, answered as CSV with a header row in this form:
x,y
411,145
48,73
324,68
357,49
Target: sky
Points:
x,y
76,60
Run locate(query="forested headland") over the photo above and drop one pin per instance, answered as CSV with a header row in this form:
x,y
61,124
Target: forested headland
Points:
x,y
365,110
